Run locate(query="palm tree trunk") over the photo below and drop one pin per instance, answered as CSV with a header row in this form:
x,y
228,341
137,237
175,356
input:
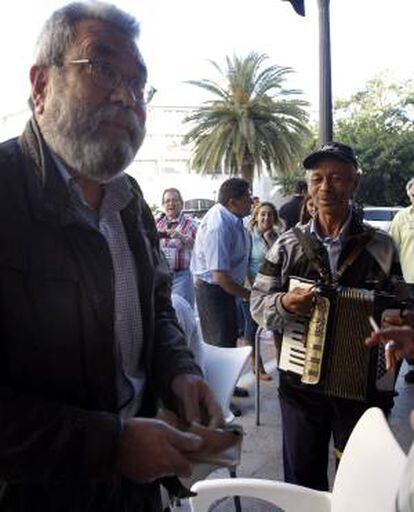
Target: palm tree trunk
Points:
x,y
247,168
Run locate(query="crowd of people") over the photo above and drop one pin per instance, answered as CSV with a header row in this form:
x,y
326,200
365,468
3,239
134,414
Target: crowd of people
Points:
x,y
226,255
98,301
245,253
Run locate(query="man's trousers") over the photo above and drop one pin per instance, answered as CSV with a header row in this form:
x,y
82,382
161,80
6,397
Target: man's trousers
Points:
x,y
308,420
218,314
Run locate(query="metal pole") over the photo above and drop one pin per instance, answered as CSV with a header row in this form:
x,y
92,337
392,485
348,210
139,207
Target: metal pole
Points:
x,y
257,368
325,82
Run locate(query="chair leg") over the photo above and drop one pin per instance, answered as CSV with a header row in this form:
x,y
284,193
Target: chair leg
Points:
x,y
257,369
237,503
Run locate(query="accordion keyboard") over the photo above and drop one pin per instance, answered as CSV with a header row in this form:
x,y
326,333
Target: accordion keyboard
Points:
x,y
293,350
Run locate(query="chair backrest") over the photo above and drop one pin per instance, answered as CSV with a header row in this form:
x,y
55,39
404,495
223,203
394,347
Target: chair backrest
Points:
x,y
290,498
370,469
222,369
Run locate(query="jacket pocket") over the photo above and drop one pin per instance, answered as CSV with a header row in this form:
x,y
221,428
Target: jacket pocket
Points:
x,y
40,328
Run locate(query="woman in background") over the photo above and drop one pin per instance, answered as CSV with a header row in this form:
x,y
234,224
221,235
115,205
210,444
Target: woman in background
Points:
x,y
308,210
264,228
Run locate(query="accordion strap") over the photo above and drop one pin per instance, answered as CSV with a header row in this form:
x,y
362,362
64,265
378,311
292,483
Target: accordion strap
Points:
x,y
363,241
311,252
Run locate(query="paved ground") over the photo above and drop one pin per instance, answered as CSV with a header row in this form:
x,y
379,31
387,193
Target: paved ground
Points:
x,y
262,446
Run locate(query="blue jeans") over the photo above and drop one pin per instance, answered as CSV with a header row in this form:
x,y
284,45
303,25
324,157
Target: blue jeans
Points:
x,y
183,285
250,326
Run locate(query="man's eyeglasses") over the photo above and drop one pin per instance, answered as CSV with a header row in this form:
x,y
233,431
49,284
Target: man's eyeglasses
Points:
x,y
108,78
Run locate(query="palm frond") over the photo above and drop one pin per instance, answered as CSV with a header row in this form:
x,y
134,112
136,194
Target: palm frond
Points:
x,y
251,122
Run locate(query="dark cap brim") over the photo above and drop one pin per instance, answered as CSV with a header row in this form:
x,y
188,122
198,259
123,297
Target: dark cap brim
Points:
x,y
317,156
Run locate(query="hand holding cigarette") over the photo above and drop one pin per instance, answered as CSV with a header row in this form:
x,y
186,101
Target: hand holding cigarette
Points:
x,y
398,342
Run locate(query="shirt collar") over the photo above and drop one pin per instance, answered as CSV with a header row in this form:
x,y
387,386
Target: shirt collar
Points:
x,y
342,233
118,191
175,221
230,215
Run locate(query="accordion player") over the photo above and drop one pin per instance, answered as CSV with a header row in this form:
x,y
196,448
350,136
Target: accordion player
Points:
x,y
327,349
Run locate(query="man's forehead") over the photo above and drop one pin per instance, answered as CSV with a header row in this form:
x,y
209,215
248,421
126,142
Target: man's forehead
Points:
x,y
104,40
171,194
332,165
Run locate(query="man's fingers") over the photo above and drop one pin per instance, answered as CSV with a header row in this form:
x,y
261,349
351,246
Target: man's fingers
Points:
x,y
191,407
179,464
303,292
298,300
392,320
374,339
196,401
184,441
214,413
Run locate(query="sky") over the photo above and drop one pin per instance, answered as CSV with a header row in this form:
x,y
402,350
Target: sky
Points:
x,y
179,36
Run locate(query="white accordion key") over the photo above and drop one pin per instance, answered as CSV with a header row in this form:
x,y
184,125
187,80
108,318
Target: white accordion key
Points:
x,y
293,349
292,353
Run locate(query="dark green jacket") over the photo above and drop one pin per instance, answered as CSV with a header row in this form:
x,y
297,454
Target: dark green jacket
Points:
x,y
58,426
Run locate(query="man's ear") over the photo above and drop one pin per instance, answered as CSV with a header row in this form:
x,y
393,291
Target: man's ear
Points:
x,y
231,205
39,77
357,183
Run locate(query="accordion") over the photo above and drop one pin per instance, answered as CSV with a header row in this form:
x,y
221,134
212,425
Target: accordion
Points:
x,y
327,350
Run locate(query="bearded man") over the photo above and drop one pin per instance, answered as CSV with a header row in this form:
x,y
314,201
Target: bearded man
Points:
x,y
89,339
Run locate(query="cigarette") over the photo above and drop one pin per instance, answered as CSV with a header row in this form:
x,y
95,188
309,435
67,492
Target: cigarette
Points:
x,y
373,324
389,346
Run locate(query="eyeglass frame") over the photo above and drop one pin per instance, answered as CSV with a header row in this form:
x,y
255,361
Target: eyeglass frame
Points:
x,y
118,79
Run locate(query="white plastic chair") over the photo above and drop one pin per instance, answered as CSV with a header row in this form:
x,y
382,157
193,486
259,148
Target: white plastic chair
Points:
x,y
367,479
222,369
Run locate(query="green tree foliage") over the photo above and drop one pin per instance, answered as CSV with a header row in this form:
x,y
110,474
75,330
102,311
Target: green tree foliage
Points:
x,y
286,182
252,121
378,122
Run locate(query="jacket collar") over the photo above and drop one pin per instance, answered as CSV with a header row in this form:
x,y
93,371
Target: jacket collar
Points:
x,y
354,227
49,195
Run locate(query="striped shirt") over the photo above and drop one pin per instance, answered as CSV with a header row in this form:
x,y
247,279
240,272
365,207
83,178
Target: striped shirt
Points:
x,y
174,249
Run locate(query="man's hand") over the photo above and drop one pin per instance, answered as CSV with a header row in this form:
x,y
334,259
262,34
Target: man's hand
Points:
x,y
229,285
299,301
398,320
188,241
398,341
269,237
196,401
151,449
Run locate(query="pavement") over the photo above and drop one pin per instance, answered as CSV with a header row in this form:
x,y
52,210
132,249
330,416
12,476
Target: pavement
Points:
x,y
262,445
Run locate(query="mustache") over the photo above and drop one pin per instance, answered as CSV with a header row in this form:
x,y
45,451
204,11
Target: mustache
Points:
x,y
111,113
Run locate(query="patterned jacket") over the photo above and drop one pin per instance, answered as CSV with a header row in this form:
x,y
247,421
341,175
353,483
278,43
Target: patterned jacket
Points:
x,y
377,267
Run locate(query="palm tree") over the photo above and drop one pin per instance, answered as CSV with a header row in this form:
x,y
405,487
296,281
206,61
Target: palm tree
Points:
x,y
251,123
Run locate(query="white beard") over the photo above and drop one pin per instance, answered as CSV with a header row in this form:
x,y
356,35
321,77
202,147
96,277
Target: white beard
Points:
x,y
72,130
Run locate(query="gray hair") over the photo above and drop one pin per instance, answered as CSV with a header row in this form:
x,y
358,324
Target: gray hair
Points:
x,y
59,30
409,185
